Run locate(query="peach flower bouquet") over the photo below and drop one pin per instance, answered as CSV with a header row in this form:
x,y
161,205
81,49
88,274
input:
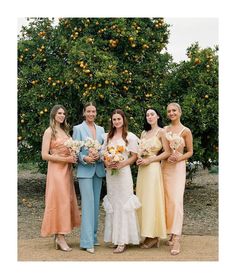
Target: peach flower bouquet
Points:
x,y
115,154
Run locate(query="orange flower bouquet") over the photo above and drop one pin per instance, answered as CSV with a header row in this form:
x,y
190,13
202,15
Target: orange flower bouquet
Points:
x,y
115,154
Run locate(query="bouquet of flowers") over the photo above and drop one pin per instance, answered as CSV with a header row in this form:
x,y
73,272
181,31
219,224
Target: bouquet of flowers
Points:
x,y
144,148
74,145
114,153
174,139
92,145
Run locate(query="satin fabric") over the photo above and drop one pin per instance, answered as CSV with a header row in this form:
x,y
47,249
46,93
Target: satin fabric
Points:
x,y
150,192
61,213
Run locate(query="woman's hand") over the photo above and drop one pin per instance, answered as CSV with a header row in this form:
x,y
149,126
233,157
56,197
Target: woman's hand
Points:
x,y
94,154
138,162
120,165
110,165
68,159
143,161
71,159
89,160
95,157
175,157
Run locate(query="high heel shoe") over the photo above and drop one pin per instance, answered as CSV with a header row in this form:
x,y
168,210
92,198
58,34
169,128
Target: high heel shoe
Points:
x,y
90,250
59,246
170,241
119,249
175,249
151,242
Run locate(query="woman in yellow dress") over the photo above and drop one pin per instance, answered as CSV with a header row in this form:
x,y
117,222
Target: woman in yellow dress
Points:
x,y
174,174
153,148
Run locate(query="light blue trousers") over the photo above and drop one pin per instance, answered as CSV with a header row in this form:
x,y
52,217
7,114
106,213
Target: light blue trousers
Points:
x,y
90,190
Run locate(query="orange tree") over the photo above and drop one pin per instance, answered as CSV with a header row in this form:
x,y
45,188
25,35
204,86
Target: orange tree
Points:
x,y
116,62
194,84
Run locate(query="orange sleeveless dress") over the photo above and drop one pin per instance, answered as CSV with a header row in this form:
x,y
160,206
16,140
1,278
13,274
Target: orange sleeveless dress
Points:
x,y
61,213
174,177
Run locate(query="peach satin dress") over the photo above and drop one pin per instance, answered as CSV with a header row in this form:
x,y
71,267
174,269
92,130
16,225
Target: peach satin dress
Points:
x,y
174,177
61,213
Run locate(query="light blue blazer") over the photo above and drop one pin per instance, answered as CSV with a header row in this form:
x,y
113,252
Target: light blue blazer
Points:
x,y
84,170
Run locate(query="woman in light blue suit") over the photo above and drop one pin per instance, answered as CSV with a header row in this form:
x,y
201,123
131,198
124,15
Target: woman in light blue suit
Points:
x,y
90,172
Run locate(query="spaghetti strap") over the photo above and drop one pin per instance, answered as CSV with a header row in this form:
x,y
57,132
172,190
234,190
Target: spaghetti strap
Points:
x,y
157,131
181,131
166,128
143,134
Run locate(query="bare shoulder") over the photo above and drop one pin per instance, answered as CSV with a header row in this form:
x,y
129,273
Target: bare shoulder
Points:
x,y
187,131
162,131
48,132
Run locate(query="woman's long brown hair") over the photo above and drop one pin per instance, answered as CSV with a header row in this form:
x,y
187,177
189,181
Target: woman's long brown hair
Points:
x,y
65,126
124,128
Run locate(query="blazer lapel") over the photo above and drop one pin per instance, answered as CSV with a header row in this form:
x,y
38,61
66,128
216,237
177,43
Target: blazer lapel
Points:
x,y
96,127
88,130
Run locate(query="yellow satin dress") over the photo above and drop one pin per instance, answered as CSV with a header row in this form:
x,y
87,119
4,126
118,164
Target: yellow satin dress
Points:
x,y
150,191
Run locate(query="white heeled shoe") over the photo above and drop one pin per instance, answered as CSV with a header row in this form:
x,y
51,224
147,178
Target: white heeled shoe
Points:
x,y
90,250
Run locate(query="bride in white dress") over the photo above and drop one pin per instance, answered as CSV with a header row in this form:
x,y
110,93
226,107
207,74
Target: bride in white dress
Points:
x,y
120,203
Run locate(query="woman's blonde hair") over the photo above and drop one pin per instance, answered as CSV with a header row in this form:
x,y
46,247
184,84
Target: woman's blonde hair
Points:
x,y
176,105
65,126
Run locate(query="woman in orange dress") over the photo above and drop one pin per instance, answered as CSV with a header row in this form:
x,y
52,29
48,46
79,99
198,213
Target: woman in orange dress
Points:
x,y
174,174
61,213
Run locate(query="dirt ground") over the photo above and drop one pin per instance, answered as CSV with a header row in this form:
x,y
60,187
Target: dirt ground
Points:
x,y
200,229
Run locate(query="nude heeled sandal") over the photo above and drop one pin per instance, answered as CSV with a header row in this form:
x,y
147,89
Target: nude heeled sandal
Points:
x,y
175,249
155,242
59,245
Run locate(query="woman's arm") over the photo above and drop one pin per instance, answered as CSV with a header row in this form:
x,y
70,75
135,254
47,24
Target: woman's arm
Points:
x,y
157,158
187,135
166,147
133,157
177,157
46,148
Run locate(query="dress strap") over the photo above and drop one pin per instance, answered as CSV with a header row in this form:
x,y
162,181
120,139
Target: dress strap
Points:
x,y
143,134
182,131
166,128
157,131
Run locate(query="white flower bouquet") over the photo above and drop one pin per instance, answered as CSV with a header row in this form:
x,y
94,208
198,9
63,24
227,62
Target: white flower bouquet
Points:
x,y
174,140
92,145
144,148
74,145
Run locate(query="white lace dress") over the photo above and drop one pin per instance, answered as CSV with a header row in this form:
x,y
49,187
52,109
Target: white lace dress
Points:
x,y
120,203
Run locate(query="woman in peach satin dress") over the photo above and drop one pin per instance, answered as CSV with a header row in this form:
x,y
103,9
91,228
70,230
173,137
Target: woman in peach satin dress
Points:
x,y
61,213
174,174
